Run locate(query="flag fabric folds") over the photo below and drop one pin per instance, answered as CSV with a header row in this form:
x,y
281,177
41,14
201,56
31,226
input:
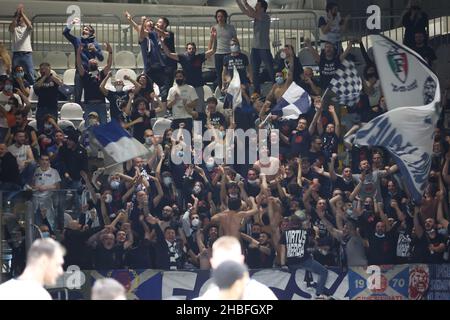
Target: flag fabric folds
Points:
x,y
117,142
294,102
346,84
407,132
404,75
234,90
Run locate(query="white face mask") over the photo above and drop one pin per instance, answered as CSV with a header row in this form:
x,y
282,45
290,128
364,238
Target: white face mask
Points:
x,y
148,140
195,222
115,184
108,198
197,189
283,55
167,181
7,107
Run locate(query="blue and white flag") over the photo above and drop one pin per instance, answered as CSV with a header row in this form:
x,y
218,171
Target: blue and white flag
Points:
x,y
117,142
294,102
234,89
346,84
407,133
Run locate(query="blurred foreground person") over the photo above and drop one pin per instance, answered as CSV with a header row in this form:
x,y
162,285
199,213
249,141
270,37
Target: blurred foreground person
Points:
x,y
231,278
44,265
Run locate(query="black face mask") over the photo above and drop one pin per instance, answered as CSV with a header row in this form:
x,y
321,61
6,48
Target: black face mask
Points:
x,y
368,207
255,235
93,67
166,218
179,82
264,205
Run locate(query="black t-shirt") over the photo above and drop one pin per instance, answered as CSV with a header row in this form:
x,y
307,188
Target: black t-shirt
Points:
x,y
47,94
91,85
9,170
296,241
300,143
382,249
257,260
115,100
327,69
139,128
217,119
241,63
330,143
192,66
107,259
427,53
345,186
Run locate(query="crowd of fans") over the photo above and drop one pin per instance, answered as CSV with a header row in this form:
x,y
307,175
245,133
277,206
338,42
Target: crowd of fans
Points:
x,y
341,204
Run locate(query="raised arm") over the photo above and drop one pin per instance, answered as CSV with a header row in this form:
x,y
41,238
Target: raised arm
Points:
x,y
171,55
108,66
347,50
211,45
317,115
337,234
337,125
313,51
131,22
418,229
103,84
247,9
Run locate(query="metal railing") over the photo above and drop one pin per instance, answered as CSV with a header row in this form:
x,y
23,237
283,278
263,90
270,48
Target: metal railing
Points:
x,y
287,27
21,213
47,31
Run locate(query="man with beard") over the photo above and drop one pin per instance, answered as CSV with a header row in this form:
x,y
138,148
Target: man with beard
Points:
x,y
429,244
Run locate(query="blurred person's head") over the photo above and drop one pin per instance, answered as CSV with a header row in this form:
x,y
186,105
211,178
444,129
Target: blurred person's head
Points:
x,y
45,259
108,289
231,278
226,248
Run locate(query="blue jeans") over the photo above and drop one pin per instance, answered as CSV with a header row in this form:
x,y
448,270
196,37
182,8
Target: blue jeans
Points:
x,y
78,88
258,56
25,59
313,266
100,108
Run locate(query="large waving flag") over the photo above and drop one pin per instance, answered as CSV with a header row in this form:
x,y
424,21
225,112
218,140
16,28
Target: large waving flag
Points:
x,y
346,84
407,133
234,89
294,102
404,75
117,142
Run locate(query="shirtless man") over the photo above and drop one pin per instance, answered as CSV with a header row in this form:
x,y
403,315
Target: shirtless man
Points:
x,y
281,84
232,220
267,165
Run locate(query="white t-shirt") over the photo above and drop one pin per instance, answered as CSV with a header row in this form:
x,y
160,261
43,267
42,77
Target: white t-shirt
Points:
x,y
253,291
186,92
19,152
45,178
21,40
15,289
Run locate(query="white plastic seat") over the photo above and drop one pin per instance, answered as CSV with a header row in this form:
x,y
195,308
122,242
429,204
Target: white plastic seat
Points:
x,y
69,77
207,92
306,58
57,59
81,126
161,125
139,61
33,123
122,72
71,111
124,60
64,124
